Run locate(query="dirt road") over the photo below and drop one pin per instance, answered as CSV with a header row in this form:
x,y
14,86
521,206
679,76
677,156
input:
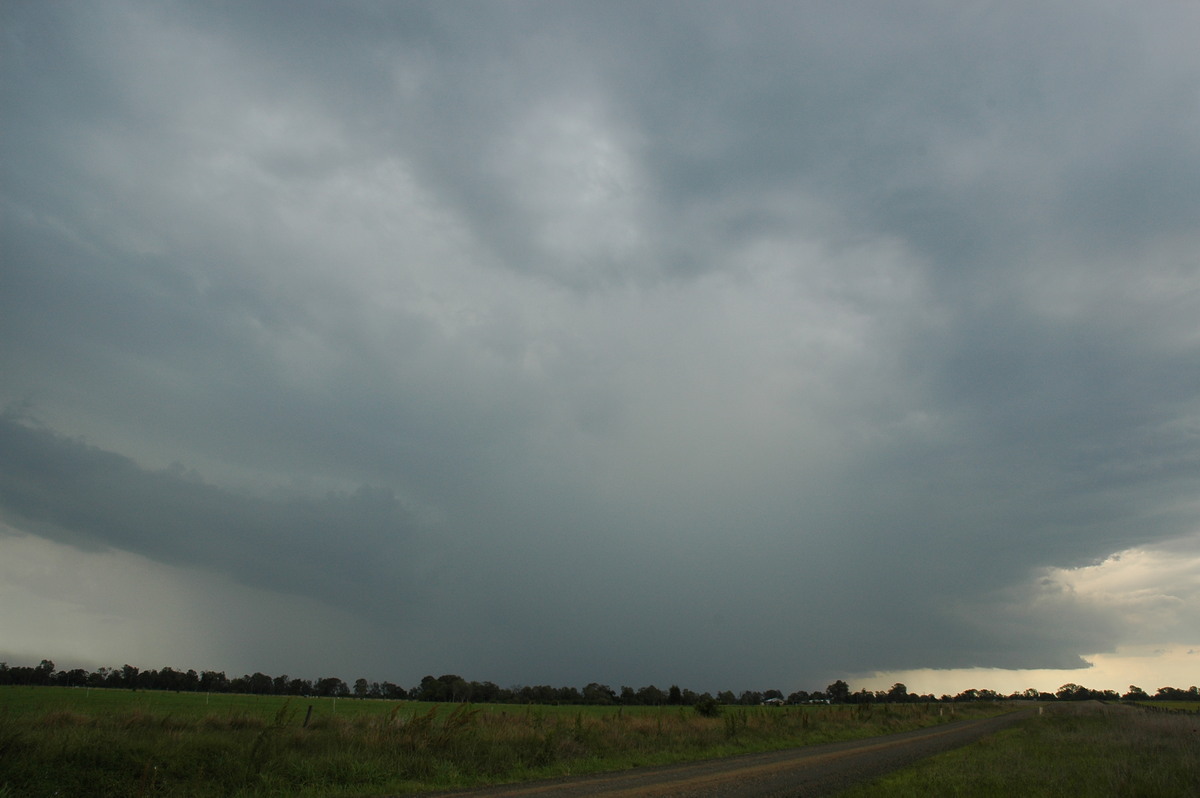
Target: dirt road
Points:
x,y
810,771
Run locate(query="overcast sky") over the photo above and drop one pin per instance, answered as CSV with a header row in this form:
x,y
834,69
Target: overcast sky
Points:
x,y
728,345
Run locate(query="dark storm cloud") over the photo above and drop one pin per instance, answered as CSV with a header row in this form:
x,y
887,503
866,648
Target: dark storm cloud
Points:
x,y
321,547
666,331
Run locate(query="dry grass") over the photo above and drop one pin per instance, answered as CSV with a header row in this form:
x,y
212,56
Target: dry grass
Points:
x,y
168,745
1073,751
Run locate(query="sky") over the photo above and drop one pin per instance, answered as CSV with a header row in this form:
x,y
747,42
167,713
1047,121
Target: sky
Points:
x,y
738,346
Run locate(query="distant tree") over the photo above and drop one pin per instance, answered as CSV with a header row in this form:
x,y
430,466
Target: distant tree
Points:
x,y
1136,694
43,672
260,684
650,695
393,692
332,687
863,696
599,694
361,688
447,687
300,687
898,692
750,698
430,689
76,677
1177,694
487,693
707,706
1073,692
214,681
838,692
537,694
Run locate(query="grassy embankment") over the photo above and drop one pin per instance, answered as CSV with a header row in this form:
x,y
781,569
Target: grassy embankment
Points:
x,y
1072,750
73,741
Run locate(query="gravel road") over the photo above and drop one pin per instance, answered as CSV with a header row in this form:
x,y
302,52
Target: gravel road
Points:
x,y
809,771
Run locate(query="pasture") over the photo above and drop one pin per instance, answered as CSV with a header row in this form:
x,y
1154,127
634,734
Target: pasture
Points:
x,y
100,742
1075,750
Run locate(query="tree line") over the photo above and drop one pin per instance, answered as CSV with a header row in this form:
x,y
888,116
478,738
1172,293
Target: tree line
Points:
x,y
454,688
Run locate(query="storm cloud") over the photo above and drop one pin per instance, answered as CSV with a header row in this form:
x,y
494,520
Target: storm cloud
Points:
x,y
733,347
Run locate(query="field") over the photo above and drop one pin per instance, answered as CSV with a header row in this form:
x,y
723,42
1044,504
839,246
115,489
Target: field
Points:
x,y
81,742
1074,750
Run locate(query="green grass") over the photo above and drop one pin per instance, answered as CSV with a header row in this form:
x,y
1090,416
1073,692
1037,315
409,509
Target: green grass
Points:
x,y
74,741
1071,751
1173,706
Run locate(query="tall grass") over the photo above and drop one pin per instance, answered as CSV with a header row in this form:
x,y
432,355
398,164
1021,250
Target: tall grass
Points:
x,y
63,741
1073,751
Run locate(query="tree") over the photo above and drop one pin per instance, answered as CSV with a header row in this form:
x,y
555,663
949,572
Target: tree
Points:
x,y
447,687
361,688
707,706
214,681
393,692
332,687
487,693
599,694
650,695
838,692
460,688
76,677
1073,692
43,672
898,692
259,683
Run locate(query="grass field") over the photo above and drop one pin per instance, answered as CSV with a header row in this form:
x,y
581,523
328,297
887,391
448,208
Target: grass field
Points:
x,y
1072,751
80,742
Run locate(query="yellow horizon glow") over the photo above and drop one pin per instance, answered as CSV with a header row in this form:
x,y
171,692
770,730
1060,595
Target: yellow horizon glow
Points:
x,y
1147,667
